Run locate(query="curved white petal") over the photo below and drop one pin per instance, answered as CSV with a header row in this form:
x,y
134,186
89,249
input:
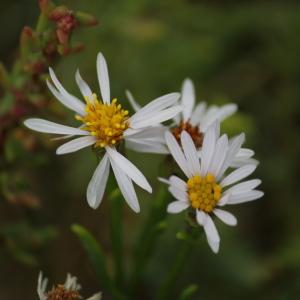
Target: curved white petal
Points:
x,y
226,111
177,207
238,175
129,168
244,186
208,119
190,152
178,183
233,148
63,96
155,106
225,217
187,98
156,133
83,86
45,126
76,145
178,194
225,198
146,146
219,155
41,287
155,118
245,153
103,78
136,107
201,217
198,114
212,234
126,187
208,147
245,197
97,184
177,154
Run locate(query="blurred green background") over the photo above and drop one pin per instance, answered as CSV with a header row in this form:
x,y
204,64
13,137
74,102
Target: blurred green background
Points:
x,y
241,51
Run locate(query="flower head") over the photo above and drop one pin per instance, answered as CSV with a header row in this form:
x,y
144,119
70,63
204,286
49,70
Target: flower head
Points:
x,y
207,186
67,291
196,119
106,124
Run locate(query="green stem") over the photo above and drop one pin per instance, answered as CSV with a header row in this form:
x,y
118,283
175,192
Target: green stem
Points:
x,y
145,243
115,203
179,263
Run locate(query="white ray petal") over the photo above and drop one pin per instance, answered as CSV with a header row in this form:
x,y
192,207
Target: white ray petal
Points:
x,y
126,187
208,119
155,106
245,197
225,216
177,154
178,182
103,78
244,186
65,97
190,152
201,217
234,146
226,111
198,114
136,107
208,147
164,180
83,86
146,146
97,184
239,162
187,98
178,194
238,175
245,153
212,234
45,126
129,168
219,155
66,101
156,133
76,145
177,207
154,118
225,198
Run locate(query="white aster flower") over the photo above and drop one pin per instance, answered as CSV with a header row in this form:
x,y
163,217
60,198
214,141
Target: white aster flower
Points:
x,y
67,291
207,187
105,124
196,119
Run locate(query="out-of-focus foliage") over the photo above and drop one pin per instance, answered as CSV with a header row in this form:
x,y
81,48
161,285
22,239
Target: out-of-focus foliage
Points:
x,y
245,51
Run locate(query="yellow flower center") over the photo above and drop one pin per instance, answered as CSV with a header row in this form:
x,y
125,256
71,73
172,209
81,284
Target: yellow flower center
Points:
x,y
107,122
204,193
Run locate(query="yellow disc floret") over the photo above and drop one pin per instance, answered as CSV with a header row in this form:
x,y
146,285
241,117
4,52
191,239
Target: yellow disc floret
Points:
x,y
107,122
204,193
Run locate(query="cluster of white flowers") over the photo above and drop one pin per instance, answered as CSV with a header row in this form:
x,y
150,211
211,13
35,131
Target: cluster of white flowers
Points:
x,y
193,139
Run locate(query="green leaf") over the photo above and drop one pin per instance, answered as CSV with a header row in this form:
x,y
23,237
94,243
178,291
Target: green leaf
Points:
x,y
95,254
188,292
97,258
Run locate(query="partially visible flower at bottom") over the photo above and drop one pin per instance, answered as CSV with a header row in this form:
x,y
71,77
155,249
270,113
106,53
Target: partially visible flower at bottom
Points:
x,y
67,291
207,186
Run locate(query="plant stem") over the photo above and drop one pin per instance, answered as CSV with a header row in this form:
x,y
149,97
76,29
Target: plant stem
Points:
x,y
115,203
145,243
180,261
